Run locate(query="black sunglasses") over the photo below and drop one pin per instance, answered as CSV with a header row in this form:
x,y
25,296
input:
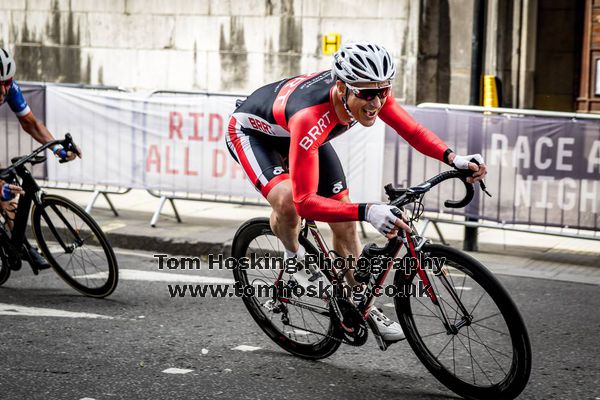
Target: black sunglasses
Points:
x,y
6,83
369,94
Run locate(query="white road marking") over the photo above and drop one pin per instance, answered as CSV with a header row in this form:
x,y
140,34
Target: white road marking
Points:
x,y
134,253
244,347
87,398
204,351
177,371
13,309
388,305
111,226
154,276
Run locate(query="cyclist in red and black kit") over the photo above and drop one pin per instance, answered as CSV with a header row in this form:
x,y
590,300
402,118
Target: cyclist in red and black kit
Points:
x,y
280,136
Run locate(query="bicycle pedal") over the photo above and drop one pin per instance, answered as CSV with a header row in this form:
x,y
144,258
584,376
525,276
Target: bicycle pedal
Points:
x,y
36,269
314,276
383,345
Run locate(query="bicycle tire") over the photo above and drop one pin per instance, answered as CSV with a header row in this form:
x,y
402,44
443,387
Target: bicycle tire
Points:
x,y
98,237
520,368
243,238
4,258
4,268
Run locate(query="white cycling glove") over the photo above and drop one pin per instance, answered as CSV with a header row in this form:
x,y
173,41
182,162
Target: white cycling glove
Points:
x,y
381,217
462,162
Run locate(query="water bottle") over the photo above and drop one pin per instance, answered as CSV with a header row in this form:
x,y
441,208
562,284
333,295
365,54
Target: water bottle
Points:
x,y
362,270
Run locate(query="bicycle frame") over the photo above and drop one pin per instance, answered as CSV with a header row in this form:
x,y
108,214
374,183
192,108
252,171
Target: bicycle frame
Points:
x,y
33,195
398,198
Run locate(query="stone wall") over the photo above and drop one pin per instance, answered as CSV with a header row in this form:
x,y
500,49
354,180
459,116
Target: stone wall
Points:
x,y
218,45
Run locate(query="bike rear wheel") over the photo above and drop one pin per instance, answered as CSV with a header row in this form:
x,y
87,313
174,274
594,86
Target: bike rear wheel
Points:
x,y
4,257
75,246
4,268
488,357
301,326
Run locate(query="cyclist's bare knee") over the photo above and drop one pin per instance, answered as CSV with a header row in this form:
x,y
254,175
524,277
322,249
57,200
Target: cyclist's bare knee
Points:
x,y
282,202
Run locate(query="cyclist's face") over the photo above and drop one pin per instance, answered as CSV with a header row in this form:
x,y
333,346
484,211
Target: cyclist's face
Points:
x,y
365,111
3,91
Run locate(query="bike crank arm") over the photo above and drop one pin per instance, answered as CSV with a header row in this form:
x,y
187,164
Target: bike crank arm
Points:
x,y
309,307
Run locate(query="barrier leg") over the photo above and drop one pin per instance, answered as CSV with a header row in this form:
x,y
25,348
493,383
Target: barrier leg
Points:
x,y
439,232
362,229
110,204
425,226
175,210
161,204
90,205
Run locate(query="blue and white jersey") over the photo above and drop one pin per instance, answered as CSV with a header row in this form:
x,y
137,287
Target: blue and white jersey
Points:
x,y
16,101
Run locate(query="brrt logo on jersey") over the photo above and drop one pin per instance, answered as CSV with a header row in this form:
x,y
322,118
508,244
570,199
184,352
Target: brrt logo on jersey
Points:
x,y
315,131
337,187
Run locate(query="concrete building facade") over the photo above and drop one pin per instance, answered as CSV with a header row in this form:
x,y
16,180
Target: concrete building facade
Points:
x,y
239,45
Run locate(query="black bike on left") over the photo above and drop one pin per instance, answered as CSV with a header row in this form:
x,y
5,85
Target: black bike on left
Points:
x,y
68,237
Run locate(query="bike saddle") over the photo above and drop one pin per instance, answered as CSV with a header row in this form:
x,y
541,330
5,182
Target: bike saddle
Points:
x,y
33,161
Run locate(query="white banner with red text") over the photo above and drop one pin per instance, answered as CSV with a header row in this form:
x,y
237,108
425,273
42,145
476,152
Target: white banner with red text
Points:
x,y
175,142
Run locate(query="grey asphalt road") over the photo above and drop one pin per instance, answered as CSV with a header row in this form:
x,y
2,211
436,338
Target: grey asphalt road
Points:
x,y
148,332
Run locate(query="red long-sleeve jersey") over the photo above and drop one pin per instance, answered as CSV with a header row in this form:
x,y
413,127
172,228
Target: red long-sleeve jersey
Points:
x,y
302,109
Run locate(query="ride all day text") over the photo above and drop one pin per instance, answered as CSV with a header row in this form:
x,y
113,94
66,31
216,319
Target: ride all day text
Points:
x,y
192,135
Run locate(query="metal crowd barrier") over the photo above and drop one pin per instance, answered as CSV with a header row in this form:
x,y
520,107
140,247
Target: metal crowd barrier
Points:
x,y
96,190
434,217
171,196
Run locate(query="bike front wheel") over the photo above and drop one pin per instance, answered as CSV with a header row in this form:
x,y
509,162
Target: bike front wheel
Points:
x,y
470,334
75,246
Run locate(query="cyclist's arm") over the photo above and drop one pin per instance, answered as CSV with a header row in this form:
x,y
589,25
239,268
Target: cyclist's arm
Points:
x,y
304,172
27,119
35,128
419,137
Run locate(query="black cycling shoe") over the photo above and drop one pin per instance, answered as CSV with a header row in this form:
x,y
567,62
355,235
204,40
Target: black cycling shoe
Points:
x,y
35,259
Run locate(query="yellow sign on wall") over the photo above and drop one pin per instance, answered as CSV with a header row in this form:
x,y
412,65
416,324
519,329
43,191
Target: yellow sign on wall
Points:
x,y
331,43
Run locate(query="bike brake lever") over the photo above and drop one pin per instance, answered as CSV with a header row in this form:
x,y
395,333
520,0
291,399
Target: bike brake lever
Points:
x,y
484,188
481,183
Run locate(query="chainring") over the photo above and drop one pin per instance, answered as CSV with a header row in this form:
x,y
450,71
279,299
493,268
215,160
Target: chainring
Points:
x,y
353,330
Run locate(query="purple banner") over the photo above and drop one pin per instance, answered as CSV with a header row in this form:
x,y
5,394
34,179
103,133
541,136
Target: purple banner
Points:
x,y
542,171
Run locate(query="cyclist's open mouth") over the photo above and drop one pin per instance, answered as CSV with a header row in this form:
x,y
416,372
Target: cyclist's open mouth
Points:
x,y
370,113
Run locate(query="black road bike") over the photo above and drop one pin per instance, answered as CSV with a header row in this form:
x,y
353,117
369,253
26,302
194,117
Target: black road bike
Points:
x,y
457,317
67,236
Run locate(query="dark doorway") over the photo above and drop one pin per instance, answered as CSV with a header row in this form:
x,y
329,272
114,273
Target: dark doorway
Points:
x,y
558,54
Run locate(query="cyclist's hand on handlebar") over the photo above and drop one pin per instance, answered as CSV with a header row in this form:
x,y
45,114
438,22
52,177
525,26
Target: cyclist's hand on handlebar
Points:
x,y
60,152
385,219
8,192
474,162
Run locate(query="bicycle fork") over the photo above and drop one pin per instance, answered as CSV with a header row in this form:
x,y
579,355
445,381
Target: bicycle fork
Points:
x,y
451,329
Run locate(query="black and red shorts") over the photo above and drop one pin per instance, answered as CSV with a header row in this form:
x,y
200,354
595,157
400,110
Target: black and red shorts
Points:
x,y
265,161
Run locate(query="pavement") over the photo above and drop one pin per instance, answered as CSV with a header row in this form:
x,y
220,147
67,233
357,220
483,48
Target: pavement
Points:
x,y
209,227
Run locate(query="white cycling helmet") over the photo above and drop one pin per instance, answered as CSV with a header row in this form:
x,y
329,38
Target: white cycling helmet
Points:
x,y
358,62
7,65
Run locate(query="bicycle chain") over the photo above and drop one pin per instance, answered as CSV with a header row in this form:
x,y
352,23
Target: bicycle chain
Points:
x,y
337,339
